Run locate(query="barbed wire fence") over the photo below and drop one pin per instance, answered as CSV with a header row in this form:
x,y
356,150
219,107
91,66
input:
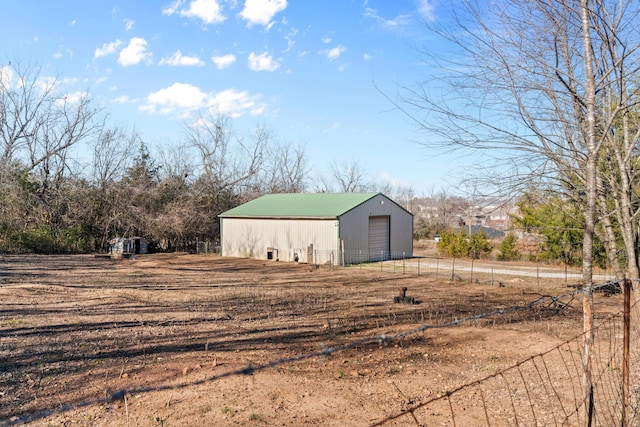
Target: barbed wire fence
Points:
x,y
544,389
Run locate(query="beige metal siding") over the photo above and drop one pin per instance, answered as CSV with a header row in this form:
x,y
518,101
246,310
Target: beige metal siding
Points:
x,y
250,238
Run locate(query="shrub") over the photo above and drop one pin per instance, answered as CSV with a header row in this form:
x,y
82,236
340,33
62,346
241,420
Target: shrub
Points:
x,y
508,250
458,244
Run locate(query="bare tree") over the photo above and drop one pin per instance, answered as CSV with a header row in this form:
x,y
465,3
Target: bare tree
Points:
x,y
544,84
349,176
40,125
113,150
539,84
39,120
226,161
226,167
284,170
401,194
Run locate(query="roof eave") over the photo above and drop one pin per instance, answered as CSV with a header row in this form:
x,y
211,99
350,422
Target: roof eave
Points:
x,y
278,217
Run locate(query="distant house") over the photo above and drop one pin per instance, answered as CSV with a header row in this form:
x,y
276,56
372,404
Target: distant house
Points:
x,y
340,228
126,246
491,233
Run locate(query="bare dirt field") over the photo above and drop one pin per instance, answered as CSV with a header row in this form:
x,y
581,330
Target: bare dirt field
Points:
x,y
177,339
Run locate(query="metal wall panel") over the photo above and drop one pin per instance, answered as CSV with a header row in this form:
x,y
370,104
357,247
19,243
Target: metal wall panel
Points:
x,y
354,227
286,238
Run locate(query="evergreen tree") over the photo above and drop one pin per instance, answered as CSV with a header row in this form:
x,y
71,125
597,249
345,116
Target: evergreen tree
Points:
x,y
508,250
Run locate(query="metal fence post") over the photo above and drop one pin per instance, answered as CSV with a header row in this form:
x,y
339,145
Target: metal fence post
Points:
x,y
403,263
625,351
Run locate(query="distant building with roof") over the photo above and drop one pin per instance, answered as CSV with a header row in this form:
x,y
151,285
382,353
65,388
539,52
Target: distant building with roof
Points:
x,y
338,228
122,247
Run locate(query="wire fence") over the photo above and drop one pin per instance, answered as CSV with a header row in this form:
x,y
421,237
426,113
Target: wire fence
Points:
x,y
547,388
544,389
454,269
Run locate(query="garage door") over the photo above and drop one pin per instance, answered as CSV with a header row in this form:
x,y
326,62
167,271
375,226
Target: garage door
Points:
x,y
378,238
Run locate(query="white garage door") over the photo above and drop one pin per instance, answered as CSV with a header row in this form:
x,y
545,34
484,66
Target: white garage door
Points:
x,y
378,238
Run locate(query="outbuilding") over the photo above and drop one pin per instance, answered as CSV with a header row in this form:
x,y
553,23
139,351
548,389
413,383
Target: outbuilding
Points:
x,y
336,228
120,247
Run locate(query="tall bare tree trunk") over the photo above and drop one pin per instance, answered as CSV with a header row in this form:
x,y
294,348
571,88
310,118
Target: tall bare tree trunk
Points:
x,y
629,224
607,236
591,187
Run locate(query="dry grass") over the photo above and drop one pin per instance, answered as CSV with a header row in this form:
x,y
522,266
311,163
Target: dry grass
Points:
x,y
80,329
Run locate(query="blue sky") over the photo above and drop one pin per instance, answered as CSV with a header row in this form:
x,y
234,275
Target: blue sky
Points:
x,y
311,71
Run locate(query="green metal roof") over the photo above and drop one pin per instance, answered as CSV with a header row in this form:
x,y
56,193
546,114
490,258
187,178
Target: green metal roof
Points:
x,y
299,205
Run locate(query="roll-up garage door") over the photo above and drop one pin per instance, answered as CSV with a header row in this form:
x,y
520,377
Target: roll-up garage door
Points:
x,y
378,238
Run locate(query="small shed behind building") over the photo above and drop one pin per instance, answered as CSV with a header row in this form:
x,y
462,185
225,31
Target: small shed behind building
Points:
x,y
336,228
126,246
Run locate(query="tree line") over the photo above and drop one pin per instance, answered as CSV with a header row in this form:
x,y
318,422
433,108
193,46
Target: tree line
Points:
x,y
69,181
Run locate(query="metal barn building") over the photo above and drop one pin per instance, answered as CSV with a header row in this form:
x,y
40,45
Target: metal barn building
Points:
x,y
342,228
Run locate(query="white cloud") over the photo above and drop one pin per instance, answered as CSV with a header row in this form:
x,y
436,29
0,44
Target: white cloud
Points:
x,y
223,61
178,96
72,98
6,76
57,55
290,38
208,11
183,98
389,24
335,53
44,83
107,49
326,40
262,62
172,8
128,24
426,10
179,59
69,81
134,53
367,56
72,23
261,12
122,100
236,103
333,126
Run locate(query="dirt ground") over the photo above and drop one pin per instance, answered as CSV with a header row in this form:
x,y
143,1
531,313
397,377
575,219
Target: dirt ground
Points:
x,y
189,340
